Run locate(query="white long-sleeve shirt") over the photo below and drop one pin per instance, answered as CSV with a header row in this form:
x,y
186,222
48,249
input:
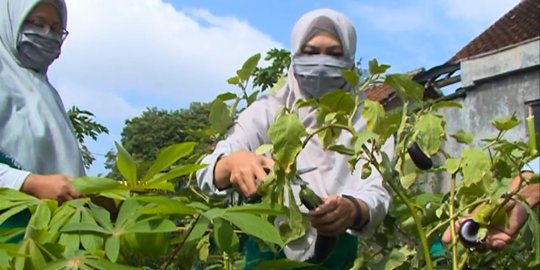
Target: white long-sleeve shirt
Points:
x,y
12,178
333,176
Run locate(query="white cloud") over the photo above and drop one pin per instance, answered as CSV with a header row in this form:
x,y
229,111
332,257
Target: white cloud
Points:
x,y
394,18
415,16
478,11
124,55
110,105
149,48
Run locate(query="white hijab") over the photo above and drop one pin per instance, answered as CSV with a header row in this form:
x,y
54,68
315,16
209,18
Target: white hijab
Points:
x,y
35,131
333,176
302,31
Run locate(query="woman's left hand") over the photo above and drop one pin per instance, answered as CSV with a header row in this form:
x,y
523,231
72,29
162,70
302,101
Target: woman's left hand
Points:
x,y
333,217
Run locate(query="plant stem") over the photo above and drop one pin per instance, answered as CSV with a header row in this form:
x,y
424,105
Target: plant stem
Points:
x,y
456,215
168,260
453,224
310,136
417,221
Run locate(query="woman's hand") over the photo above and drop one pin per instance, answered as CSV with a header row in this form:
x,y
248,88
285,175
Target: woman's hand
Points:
x,y
241,169
54,186
498,236
334,216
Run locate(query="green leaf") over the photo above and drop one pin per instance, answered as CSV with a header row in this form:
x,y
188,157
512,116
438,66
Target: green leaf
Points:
x,y
248,67
463,137
375,68
233,81
505,123
112,247
362,137
156,187
395,259
84,227
8,194
286,133
228,95
300,103
337,101
351,75
103,265
373,112
88,185
37,258
204,248
342,149
126,165
177,172
198,231
405,86
255,226
4,259
430,129
220,119
102,216
225,237
534,225
265,148
259,208
152,226
452,165
90,241
167,156
447,104
127,213
407,173
165,206
475,165
252,97
168,209
71,243
214,213
11,212
41,218
284,264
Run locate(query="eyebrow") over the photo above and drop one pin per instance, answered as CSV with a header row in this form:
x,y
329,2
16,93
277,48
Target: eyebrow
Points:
x,y
44,20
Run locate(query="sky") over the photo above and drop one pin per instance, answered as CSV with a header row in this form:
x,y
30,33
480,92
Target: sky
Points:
x,y
123,56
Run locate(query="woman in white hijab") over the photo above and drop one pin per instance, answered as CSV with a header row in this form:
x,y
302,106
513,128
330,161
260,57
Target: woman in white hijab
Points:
x,y
323,43
38,148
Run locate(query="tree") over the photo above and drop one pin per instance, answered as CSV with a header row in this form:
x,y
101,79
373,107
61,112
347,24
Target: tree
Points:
x,y
85,126
144,135
266,77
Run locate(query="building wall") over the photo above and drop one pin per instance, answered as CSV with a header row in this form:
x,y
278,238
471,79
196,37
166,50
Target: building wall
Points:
x,y
498,91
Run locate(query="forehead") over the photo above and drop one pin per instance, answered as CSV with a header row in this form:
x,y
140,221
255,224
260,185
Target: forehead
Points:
x,y
45,10
323,38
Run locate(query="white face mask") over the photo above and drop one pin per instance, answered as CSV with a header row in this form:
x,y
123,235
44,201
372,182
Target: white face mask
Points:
x,y
37,49
319,74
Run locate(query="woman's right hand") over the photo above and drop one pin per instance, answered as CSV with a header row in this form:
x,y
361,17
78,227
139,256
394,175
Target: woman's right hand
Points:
x,y
241,169
54,186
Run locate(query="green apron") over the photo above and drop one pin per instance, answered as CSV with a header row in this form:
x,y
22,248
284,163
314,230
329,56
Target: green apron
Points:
x,y
341,257
21,219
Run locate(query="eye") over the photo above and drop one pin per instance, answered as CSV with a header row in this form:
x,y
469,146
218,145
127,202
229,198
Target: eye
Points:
x,y
310,50
334,51
336,54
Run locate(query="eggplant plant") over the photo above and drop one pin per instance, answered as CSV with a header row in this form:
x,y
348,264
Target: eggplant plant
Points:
x,y
150,221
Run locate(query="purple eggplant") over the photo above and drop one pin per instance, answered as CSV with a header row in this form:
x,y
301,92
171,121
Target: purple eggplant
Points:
x,y
468,233
420,159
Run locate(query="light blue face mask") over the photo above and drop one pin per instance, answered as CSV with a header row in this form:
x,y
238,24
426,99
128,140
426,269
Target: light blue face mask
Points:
x,y
37,50
319,74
